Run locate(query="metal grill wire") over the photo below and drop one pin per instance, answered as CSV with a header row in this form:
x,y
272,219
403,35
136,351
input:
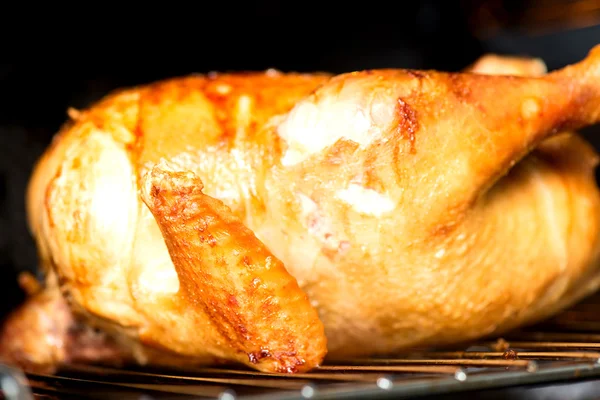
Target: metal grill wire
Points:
x,y
566,347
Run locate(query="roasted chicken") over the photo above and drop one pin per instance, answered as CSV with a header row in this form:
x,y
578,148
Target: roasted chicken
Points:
x,y
270,218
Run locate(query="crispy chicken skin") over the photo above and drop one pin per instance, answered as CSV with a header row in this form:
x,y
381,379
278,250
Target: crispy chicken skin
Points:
x,y
269,218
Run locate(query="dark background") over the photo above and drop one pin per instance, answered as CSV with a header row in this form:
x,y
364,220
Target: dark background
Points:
x,y
55,58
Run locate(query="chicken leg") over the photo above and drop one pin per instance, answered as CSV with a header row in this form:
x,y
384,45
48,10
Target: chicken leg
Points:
x,y
427,133
413,214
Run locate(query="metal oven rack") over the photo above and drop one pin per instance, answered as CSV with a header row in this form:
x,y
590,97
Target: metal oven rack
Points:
x,y
566,347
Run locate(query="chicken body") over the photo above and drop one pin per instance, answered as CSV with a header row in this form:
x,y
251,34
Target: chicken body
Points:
x,y
271,218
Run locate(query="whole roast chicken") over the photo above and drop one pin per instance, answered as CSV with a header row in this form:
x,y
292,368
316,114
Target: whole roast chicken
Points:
x,y
272,218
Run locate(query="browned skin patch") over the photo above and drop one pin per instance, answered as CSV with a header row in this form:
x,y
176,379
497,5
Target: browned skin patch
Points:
x,y
408,123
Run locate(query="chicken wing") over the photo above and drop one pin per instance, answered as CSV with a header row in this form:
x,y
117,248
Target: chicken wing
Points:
x,y
246,305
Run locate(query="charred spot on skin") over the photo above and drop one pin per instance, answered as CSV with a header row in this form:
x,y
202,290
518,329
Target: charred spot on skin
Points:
x,y
289,361
155,191
256,356
407,123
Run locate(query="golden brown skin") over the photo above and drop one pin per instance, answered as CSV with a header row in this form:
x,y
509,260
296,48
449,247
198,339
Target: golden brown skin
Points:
x,y
411,207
